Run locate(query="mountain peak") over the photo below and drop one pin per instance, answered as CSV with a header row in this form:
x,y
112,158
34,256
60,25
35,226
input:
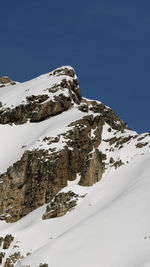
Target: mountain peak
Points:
x,y
40,98
5,81
64,70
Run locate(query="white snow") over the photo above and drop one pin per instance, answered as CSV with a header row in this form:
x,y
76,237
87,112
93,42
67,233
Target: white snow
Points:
x,y
110,227
14,95
14,140
128,150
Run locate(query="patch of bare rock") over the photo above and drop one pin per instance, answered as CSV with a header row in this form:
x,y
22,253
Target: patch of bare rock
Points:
x,y
61,204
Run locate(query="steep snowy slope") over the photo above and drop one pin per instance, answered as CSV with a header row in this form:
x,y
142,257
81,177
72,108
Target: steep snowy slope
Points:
x,y
110,226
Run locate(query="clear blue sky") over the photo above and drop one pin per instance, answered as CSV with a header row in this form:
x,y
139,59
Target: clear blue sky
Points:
x,y
106,41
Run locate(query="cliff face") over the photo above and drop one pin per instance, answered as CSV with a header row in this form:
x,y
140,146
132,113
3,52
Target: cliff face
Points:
x,y
44,168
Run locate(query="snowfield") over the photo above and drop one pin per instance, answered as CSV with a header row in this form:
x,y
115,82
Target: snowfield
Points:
x,y
110,226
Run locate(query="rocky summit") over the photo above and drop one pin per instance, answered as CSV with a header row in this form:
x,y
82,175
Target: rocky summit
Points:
x,y
53,141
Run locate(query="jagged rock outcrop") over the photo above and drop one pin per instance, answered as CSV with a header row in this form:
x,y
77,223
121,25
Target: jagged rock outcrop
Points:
x,y
36,111
60,205
41,107
6,81
107,113
92,170
7,241
12,259
5,244
2,255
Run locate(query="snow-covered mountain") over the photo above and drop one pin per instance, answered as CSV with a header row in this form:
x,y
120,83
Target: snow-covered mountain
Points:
x,y
74,178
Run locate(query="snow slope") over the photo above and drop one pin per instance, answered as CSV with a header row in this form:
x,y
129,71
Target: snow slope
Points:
x,y
14,95
18,138
110,227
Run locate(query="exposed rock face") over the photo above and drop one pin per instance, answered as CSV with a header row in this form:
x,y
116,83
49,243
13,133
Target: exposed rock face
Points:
x,y
10,262
140,144
2,255
5,80
107,113
62,203
6,241
63,71
92,170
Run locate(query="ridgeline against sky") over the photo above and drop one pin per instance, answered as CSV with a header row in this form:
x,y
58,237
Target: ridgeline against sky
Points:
x,y
107,42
